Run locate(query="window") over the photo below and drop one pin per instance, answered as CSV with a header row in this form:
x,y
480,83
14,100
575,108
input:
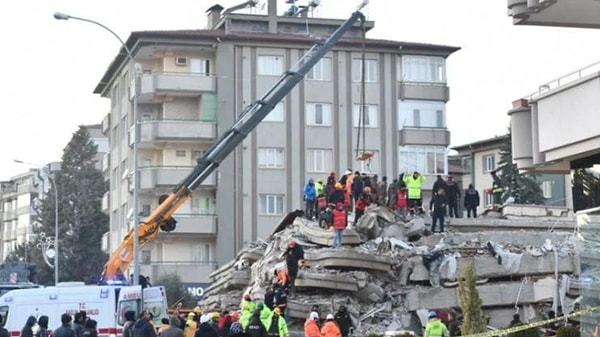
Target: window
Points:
x,y
370,70
202,205
271,204
321,71
371,115
489,199
423,69
270,65
180,153
146,162
425,159
318,114
195,156
546,187
200,253
270,157
371,165
319,160
421,114
200,67
488,163
146,210
277,114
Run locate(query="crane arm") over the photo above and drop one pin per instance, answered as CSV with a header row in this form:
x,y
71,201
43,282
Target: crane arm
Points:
x,y
250,118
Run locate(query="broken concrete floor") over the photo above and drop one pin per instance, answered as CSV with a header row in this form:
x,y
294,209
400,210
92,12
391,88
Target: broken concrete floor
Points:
x,y
389,268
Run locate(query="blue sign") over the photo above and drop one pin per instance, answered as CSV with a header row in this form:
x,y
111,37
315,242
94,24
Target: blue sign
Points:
x,y
196,289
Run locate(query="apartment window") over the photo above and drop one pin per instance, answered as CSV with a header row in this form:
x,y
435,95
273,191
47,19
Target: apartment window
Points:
x,y
201,205
546,187
146,162
180,153
489,199
319,160
270,204
425,159
370,70
277,114
147,116
270,157
270,65
488,163
200,253
321,71
195,156
146,210
146,257
421,114
318,114
418,68
371,115
200,67
371,165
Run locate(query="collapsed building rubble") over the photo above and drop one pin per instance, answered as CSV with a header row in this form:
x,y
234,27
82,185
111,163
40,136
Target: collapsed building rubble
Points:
x,y
390,269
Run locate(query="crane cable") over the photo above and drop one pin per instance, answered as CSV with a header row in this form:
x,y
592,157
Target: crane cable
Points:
x,y
363,155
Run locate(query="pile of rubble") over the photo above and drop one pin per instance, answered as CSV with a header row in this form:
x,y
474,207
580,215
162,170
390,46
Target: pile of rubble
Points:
x,y
391,271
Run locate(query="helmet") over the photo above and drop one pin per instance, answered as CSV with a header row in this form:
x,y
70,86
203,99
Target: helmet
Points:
x,y
314,316
320,180
338,185
292,243
432,314
329,316
215,315
277,311
191,314
367,189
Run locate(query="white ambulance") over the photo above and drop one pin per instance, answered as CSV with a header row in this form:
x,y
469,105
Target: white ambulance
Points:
x,y
105,304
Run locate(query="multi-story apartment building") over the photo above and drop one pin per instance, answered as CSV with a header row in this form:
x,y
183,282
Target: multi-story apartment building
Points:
x,y
482,157
194,85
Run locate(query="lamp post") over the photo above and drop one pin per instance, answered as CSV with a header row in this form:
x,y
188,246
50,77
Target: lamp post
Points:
x,y
136,271
55,186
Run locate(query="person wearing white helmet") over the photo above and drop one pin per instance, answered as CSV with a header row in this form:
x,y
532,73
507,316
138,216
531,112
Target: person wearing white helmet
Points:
x,y
311,326
435,327
330,328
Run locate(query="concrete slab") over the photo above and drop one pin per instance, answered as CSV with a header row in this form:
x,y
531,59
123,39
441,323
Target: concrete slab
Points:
x,y
346,258
531,224
338,282
315,234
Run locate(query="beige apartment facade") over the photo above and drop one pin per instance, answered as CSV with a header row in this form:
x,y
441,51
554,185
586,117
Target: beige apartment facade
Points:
x,y
194,85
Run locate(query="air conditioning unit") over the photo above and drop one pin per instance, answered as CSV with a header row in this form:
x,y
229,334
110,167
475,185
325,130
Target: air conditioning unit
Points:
x,y
181,61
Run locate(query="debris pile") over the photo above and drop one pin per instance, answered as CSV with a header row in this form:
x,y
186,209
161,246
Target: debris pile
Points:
x,y
391,270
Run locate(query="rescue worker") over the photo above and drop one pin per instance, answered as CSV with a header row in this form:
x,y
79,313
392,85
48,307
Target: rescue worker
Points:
x,y
265,313
364,199
206,329
245,316
330,185
471,201
401,201
435,327
337,195
278,325
311,326
310,199
320,187
496,189
247,301
453,197
293,256
279,299
343,320
340,222
190,325
256,328
330,328
413,183
437,207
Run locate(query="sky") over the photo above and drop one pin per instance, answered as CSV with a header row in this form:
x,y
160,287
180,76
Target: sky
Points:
x,y
50,68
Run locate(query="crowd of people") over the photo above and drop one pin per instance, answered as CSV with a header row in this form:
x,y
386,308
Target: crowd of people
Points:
x,y
79,326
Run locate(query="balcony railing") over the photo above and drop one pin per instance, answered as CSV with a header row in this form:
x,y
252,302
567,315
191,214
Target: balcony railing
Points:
x,y
196,224
167,176
433,91
177,130
592,69
176,84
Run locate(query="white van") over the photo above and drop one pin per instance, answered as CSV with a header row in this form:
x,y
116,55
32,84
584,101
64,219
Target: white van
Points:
x,y
105,304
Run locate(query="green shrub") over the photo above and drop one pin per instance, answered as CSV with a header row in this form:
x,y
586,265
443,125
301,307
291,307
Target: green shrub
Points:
x,y
568,331
531,332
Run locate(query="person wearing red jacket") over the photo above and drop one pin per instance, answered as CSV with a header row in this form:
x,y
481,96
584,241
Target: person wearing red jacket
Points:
x,y
364,200
340,221
311,326
401,201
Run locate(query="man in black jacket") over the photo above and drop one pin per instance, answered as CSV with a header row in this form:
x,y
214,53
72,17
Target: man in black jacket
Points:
x,y
293,255
453,197
343,320
143,326
65,329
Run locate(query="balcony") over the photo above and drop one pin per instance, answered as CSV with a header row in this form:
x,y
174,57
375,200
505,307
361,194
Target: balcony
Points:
x,y
106,124
168,176
205,224
558,13
152,132
423,91
424,136
154,87
188,271
106,162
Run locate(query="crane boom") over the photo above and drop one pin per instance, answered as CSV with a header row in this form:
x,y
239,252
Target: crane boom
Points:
x,y
250,118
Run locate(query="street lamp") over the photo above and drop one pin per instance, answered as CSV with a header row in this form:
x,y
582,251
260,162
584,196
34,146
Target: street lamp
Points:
x,y
136,73
55,186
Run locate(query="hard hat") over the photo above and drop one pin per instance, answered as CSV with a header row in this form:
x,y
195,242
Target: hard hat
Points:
x,y
277,311
432,314
215,314
329,316
338,185
367,189
292,243
348,172
191,314
204,319
197,310
320,180
314,316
